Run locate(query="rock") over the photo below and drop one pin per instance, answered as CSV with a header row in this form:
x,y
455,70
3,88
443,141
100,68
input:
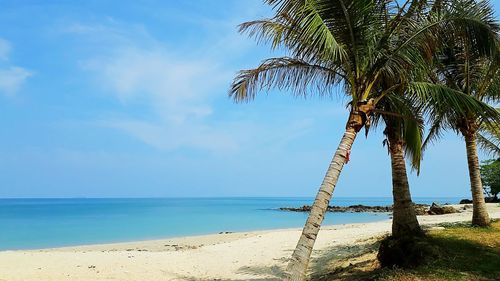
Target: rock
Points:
x,y
436,209
466,207
491,200
340,209
465,201
304,208
421,209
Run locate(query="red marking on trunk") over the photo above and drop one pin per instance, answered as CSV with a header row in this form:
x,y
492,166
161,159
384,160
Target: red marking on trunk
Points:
x,y
347,156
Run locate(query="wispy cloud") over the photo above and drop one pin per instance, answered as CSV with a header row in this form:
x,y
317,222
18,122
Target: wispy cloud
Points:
x,y
180,85
176,89
4,49
11,77
168,137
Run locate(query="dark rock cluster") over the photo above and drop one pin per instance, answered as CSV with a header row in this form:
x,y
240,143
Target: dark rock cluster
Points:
x,y
436,209
493,199
420,209
340,209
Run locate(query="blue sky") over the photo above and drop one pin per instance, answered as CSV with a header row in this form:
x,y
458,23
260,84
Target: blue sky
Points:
x,y
125,99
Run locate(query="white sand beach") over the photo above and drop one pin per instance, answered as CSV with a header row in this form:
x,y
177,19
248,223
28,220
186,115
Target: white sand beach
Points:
x,y
258,255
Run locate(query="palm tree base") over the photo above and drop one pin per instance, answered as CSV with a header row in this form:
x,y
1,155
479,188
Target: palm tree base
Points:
x,y
406,252
481,222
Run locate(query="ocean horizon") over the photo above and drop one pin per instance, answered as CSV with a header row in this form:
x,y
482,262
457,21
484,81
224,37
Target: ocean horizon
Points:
x,y
34,223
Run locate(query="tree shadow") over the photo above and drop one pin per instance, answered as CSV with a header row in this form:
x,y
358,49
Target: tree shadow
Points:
x,y
459,256
459,259
347,262
261,273
273,272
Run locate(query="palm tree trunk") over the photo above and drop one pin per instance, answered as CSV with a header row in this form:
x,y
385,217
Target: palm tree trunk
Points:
x,y
479,213
404,221
297,267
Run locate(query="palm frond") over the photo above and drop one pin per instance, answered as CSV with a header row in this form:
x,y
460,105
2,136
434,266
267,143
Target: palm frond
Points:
x,y
435,132
438,100
405,122
488,139
488,145
284,73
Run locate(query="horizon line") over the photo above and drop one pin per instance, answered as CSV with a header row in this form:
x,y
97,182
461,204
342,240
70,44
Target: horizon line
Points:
x,y
215,197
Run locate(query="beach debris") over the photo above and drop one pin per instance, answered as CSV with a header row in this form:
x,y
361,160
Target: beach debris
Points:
x,y
181,247
91,266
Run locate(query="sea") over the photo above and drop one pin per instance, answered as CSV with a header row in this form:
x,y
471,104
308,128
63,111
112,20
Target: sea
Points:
x,y
47,223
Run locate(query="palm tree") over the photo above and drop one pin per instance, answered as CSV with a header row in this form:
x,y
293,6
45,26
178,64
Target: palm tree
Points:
x,y
403,133
473,68
356,44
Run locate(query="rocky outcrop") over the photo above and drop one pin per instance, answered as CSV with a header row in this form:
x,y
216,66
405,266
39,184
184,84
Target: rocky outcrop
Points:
x,y
420,209
493,199
436,209
465,201
340,209
486,199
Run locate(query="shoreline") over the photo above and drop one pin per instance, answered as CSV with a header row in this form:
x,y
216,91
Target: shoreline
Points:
x,y
375,210
189,237
253,255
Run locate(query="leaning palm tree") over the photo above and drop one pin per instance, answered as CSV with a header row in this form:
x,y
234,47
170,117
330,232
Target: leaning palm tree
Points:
x,y
358,45
468,66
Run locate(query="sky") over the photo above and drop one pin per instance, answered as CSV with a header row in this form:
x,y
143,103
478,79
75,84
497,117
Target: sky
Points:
x,y
105,98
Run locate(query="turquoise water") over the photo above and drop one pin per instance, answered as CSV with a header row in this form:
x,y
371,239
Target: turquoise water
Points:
x,y
42,223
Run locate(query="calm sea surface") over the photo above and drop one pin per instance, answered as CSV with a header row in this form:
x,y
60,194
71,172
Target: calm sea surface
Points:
x,y
42,223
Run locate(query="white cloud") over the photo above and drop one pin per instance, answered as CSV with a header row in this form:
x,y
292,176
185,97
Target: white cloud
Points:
x,y
168,137
4,49
176,89
12,78
178,84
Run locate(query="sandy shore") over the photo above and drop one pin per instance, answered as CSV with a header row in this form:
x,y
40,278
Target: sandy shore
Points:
x,y
259,255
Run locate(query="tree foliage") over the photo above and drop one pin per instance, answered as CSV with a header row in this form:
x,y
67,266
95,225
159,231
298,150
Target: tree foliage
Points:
x,y
490,175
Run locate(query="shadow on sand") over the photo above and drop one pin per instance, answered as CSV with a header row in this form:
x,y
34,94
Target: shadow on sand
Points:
x,y
330,264
259,273
349,262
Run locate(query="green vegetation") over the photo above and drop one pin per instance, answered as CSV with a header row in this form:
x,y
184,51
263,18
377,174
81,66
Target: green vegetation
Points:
x,y
462,252
466,253
490,175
